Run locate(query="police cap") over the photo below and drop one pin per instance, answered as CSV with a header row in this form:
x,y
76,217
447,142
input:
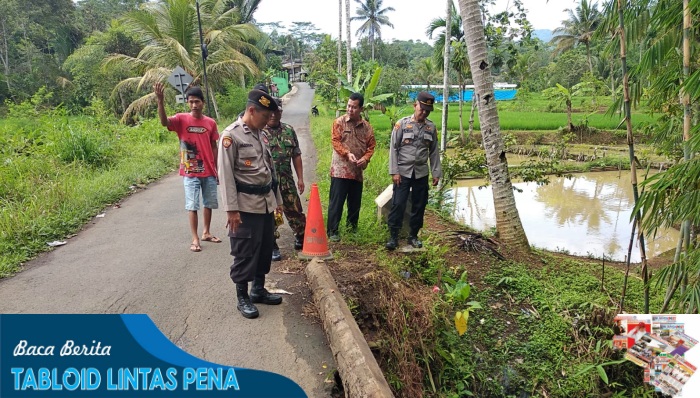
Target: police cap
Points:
x,y
426,100
262,99
279,103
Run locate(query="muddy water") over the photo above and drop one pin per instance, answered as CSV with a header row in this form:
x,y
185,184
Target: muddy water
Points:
x,y
588,214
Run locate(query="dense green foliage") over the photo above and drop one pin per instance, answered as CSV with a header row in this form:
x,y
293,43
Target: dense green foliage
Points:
x,y
60,170
65,157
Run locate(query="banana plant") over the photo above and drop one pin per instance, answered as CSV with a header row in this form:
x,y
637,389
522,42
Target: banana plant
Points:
x,y
365,84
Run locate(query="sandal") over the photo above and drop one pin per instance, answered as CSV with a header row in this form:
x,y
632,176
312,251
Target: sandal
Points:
x,y
211,238
195,248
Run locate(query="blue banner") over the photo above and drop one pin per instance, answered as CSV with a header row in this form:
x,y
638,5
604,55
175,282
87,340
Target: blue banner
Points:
x,y
115,356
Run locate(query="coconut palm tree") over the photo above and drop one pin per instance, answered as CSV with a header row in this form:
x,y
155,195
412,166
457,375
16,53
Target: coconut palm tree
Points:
x,y
578,29
426,71
372,16
348,46
456,34
340,37
170,36
508,223
459,60
244,8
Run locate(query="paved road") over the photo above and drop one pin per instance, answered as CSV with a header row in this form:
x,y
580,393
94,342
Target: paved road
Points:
x,y
137,260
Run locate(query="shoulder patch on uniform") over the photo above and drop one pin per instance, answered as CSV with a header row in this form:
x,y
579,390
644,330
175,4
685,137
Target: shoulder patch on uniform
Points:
x,y
398,125
226,142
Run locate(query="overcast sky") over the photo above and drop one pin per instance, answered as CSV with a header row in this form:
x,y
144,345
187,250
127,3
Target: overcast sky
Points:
x,y
410,18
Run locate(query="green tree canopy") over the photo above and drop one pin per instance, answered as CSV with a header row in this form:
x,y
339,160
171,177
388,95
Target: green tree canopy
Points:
x,y
169,33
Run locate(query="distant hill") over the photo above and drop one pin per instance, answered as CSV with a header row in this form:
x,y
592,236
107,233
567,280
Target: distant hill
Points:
x,y
543,34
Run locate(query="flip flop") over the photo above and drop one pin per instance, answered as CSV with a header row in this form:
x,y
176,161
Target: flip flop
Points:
x,y
211,238
195,248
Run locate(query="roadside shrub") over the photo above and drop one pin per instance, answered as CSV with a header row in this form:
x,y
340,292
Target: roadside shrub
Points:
x,y
78,144
233,101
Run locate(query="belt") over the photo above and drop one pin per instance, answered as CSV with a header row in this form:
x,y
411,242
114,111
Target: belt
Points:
x,y
254,189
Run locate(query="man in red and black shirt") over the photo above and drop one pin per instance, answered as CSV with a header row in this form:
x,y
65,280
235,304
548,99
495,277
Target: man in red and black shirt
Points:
x,y
198,136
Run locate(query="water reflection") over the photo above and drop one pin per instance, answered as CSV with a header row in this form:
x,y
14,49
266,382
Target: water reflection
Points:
x,y
588,214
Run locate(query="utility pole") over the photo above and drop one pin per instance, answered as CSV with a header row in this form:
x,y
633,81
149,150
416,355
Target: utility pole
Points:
x,y
205,54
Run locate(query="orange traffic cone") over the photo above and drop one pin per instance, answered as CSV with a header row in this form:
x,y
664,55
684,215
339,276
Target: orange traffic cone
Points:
x,y
315,240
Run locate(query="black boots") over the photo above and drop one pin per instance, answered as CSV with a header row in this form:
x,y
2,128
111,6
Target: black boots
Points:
x,y
298,242
245,306
393,242
413,241
276,255
258,294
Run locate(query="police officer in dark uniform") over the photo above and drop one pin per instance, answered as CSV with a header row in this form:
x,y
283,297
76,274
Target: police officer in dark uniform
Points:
x,y
250,196
413,142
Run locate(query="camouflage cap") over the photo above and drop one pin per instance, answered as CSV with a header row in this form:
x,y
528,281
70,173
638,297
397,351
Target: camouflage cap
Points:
x,y
261,87
426,100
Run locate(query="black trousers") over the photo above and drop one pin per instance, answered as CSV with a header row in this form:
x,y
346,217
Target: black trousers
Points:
x,y
251,247
342,189
418,187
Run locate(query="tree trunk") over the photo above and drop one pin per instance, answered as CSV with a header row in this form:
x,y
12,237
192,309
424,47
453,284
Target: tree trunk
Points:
x,y
349,41
5,56
630,144
216,107
446,78
340,51
508,223
291,57
471,118
588,54
461,107
612,79
687,115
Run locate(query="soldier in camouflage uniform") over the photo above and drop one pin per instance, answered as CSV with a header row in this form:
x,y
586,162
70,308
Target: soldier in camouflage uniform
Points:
x,y
284,146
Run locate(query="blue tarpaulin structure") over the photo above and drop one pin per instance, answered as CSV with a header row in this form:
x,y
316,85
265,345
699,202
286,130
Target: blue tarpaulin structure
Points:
x,y
501,95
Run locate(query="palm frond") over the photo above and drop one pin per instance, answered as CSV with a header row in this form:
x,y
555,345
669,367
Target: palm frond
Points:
x,y
169,33
135,65
138,106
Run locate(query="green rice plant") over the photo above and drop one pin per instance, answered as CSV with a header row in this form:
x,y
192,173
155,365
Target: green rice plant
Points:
x,y
521,120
